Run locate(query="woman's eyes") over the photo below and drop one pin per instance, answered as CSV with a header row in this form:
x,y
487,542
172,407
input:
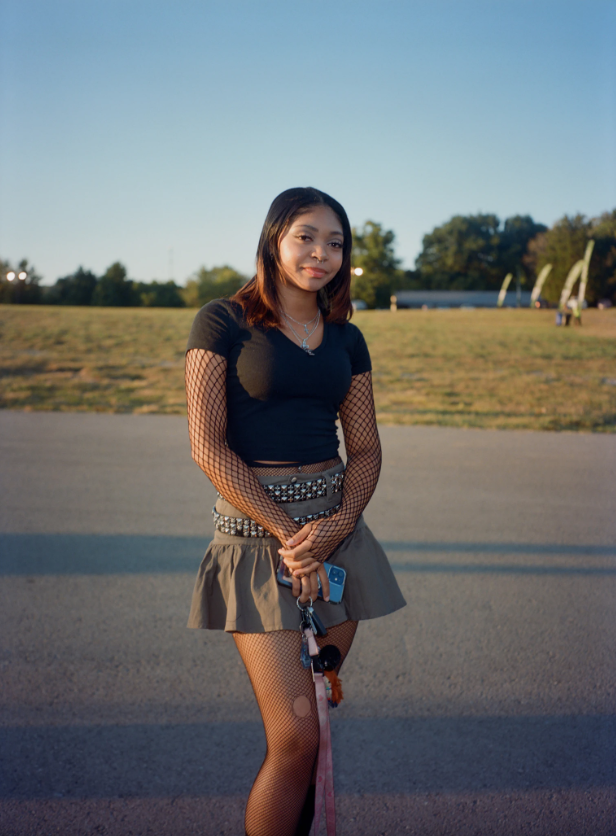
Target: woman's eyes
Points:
x,y
336,244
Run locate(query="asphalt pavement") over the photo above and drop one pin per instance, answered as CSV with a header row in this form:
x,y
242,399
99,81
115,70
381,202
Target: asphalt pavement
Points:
x,y
486,706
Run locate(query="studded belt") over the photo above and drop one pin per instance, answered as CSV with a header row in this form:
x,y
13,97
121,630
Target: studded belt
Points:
x,y
244,527
295,491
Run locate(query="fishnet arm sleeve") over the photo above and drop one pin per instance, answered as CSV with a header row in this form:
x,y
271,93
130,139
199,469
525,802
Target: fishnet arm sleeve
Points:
x,y
363,448
206,396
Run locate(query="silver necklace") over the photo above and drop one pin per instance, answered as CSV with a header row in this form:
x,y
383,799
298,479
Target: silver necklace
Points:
x,y
304,324
303,342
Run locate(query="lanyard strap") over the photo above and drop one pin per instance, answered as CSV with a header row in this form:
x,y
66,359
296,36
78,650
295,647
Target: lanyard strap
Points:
x,y
324,792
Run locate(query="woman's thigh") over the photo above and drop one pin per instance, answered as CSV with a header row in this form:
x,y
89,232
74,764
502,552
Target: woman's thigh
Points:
x,y
282,686
272,661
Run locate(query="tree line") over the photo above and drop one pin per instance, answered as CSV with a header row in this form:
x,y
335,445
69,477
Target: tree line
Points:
x,y
475,252
468,252
115,289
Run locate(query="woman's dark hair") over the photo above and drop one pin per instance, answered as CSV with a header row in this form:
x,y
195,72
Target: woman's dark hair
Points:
x,y
259,296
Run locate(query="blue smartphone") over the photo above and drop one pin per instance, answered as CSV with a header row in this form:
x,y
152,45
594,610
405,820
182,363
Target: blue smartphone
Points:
x,y
336,575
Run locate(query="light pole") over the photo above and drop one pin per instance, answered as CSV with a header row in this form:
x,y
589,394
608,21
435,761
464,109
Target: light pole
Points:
x,y
21,277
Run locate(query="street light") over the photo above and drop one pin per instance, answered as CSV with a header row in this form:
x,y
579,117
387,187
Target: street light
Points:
x,y
358,271
22,276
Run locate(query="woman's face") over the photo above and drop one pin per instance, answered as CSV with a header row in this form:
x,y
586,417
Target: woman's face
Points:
x,y
310,251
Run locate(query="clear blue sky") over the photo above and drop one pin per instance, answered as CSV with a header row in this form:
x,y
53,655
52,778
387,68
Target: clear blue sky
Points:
x,y
132,128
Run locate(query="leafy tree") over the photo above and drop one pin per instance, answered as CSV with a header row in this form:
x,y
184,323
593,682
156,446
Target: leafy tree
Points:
x,y
76,289
217,283
462,254
19,291
409,280
475,252
515,236
561,246
373,251
602,273
160,295
114,290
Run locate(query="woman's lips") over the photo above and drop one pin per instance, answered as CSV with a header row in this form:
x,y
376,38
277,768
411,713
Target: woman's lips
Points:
x,y
315,272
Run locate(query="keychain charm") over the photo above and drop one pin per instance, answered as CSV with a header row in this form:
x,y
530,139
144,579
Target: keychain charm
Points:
x,y
304,656
330,659
324,661
305,624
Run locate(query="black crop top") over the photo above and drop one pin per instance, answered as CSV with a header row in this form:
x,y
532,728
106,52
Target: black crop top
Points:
x,y
282,403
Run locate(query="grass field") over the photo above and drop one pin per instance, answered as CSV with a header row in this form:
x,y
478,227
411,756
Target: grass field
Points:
x,y
481,368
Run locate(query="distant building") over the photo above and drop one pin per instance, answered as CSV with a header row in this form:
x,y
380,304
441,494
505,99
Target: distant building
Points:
x,y
457,299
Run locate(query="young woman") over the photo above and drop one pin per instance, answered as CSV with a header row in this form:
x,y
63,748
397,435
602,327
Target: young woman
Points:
x,y
267,375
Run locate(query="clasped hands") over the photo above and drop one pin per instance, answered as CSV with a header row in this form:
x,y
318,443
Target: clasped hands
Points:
x,y
305,568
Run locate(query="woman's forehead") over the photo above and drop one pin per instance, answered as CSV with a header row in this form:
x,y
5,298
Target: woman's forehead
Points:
x,y
318,219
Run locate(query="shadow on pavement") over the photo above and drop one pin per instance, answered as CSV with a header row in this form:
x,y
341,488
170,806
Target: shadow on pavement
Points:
x,y
104,554
453,754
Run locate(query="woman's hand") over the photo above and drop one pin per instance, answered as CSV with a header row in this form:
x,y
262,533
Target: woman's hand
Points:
x,y
299,552
305,570
307,586
311,545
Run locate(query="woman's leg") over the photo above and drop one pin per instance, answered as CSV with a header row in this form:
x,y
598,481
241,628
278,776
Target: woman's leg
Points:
x,y
285,695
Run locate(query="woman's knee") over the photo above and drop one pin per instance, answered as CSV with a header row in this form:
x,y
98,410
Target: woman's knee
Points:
x,y
298,738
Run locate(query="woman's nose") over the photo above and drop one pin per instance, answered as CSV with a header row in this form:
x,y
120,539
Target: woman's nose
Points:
x,y
319,252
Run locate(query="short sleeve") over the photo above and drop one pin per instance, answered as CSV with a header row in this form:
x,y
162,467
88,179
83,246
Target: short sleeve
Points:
x,y
214,328
360,356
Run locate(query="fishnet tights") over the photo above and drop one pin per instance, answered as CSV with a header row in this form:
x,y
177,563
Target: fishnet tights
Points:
x,y
272,660
206,374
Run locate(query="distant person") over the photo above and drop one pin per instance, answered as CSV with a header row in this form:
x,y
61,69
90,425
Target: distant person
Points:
x,y
268,372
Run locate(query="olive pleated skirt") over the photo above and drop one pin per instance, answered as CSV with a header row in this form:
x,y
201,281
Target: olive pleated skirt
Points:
x,y
236,587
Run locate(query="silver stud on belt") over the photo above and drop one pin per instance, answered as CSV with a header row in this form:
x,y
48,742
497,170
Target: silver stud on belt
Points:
x,y
243,527
337,480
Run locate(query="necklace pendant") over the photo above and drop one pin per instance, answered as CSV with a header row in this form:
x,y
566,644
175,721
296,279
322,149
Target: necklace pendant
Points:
x,y
303,343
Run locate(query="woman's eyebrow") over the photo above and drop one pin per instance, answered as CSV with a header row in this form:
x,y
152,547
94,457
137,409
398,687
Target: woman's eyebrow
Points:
x,y
315,229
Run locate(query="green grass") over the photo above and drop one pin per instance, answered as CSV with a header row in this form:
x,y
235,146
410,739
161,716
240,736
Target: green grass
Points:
x,y
93,359
482,368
